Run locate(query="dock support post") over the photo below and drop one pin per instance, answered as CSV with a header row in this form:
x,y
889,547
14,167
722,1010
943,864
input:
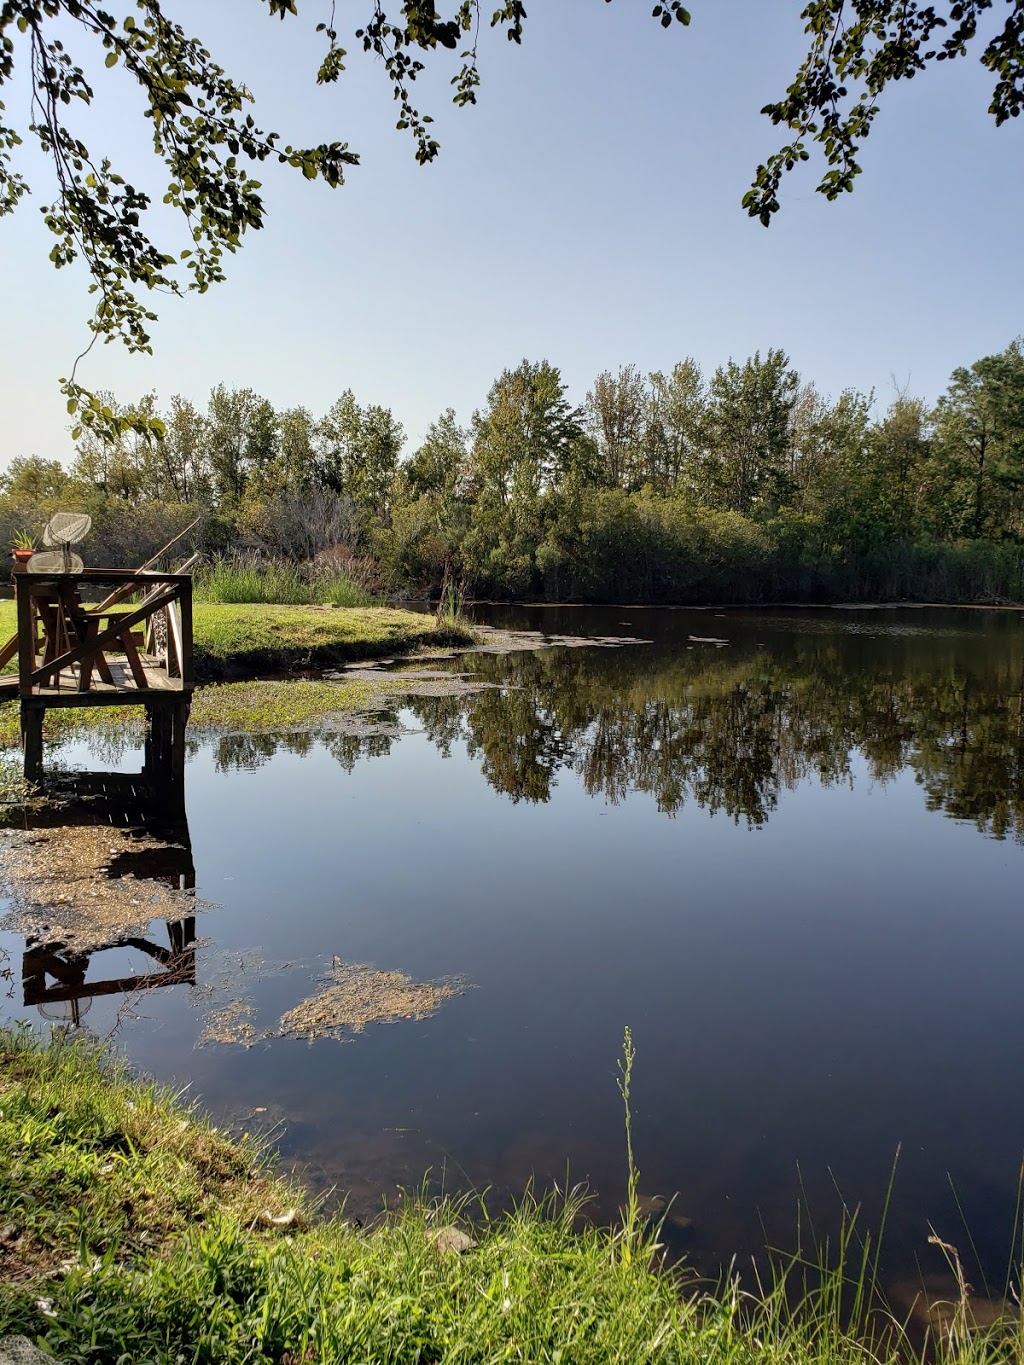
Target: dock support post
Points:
x,y
165,747
32,741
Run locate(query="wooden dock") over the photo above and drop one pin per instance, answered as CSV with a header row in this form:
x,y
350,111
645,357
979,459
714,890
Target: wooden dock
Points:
x,y
105,637
65,688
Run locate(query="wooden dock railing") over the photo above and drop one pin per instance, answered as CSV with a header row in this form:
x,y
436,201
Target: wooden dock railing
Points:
x,y
64,639
79,647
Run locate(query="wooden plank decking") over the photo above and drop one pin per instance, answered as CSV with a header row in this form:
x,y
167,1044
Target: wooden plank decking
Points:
x,y
120,691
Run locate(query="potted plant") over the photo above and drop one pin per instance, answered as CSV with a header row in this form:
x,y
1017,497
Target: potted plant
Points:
x,y
24,546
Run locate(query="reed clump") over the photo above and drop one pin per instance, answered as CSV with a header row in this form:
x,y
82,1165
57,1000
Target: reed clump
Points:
x,y
252,578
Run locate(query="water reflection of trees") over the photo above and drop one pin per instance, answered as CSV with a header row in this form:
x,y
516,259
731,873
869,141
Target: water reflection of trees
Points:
x,y
731,729
250,751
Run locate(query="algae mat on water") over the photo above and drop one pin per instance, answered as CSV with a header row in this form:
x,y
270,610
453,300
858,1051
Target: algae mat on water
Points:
x,y
248,706
354,995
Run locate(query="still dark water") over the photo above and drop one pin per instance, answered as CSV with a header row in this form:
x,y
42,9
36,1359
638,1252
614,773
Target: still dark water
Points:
x,y
792,863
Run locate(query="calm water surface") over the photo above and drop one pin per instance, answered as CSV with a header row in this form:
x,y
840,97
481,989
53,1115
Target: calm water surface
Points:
x,y
791,862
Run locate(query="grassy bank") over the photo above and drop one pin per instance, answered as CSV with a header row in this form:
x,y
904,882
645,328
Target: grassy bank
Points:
x,y
237,640
135,1231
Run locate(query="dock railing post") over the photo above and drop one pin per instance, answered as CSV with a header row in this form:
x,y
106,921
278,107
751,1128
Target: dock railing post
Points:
x,y
185,600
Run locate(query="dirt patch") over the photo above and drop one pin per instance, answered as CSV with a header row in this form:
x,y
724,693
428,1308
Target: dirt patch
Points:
x,y
64,892
355,995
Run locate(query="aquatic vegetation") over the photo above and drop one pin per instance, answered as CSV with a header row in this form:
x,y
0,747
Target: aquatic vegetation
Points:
x,y
353,995
63,891
231,1023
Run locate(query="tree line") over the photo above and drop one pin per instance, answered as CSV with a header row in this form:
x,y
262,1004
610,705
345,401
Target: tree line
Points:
x,y
743,484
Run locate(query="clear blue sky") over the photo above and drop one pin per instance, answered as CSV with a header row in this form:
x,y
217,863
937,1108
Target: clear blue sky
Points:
x,y
586,211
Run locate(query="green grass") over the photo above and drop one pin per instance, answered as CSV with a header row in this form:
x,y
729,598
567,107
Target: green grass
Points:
x,y
241,638
139,1233
225,637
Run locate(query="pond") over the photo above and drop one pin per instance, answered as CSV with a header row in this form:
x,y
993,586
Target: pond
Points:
x,y
783,846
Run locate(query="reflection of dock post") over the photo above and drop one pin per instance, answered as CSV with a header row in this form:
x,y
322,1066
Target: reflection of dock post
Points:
x,y
164,767
54,973
32,740
179,720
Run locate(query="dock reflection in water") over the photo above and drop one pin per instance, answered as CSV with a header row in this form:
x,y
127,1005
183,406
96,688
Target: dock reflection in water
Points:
x,y
61,979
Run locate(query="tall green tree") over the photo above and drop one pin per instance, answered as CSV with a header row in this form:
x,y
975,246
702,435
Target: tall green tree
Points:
x,y
749,433
335,439
895,480
528,436
979,435
526,442
827,451
430,513
372,479
243,441
676,438
123,464
182,456
358,452
31,479
438,468
617,416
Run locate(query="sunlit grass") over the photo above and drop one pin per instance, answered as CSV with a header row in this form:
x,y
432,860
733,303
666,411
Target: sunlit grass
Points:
x,y
140,1233
244,638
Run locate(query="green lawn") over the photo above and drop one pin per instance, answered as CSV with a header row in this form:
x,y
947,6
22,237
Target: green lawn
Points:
x,y
233,640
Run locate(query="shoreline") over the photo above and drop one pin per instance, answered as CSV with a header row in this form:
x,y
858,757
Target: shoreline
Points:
x,y
754,606
134,1229
236,640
